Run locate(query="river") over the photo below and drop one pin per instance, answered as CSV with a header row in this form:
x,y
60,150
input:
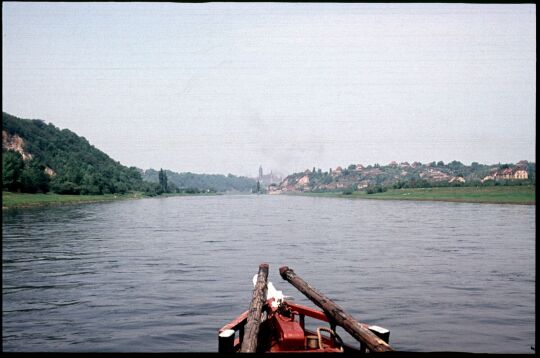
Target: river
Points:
x,y
164,274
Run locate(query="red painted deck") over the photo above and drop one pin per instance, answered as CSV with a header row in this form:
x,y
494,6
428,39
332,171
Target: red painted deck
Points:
x,y
284,331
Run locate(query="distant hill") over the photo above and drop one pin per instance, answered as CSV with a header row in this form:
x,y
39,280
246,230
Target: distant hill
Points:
x,y
203,182
39,157
405,175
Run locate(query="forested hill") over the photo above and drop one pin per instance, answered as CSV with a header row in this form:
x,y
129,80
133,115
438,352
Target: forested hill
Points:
x,y
203,182
40,157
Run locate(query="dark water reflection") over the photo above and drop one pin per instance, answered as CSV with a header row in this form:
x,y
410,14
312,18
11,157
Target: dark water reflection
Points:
x,y
165,274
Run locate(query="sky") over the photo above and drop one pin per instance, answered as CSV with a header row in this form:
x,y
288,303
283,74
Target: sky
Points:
x,y
227,87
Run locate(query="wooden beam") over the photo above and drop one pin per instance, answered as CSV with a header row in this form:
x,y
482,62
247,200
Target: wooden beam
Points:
x,y
336,314
251,333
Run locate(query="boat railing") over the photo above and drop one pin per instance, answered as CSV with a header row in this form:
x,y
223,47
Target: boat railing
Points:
x,y
227,334
231,335
372,338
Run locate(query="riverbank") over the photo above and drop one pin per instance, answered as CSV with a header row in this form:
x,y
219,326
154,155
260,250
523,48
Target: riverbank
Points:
x,y
24,200
522,195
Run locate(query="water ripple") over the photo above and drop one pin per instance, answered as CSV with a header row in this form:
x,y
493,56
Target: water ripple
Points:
x,y
164,274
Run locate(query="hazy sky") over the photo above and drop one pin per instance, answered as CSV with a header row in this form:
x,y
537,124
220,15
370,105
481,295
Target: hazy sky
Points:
x,y
226,87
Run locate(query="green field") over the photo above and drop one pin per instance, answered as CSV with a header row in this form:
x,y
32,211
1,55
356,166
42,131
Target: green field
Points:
x,y
494,194
22,200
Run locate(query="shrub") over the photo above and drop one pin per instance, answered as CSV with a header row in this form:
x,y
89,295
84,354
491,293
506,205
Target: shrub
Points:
x,y
376,189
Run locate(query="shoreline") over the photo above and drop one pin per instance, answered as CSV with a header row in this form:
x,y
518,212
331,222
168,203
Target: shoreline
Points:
x,y
26,201
487,195
518,195
50,199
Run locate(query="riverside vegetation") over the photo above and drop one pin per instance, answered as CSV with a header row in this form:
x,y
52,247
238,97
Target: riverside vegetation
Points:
x,y
522,194
58,166
39,158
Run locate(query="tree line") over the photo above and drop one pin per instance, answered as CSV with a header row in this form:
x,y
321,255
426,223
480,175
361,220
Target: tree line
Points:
x,y
77,167
195,183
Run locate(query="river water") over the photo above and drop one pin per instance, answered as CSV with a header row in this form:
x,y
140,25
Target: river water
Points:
x,y
164,274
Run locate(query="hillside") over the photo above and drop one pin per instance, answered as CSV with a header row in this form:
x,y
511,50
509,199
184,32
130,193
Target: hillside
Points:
x,y
203,182
38,157
404,175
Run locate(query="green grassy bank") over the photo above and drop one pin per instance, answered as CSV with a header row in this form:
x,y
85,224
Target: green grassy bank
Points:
x,y
23,200
494,194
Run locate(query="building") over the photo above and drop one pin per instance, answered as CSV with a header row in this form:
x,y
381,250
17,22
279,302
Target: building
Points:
x,y
337,171
304,180
457,180
268,179
362,185
504,174
521,174
435,174
486,178
511,174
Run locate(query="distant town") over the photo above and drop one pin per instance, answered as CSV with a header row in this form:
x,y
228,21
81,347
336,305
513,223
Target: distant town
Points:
x,y
396,175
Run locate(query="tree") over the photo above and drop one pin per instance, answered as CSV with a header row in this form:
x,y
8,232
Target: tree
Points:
x,y
12,167
172,187
327,179
66,187
33,178
75,162
456,164
162,176
348,191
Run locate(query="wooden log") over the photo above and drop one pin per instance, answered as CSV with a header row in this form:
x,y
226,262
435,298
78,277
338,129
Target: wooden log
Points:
x,y
336,314
251,332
